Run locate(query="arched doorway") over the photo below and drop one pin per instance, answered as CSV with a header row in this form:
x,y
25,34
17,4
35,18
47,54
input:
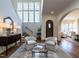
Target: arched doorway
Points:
x,y
49,28
70,23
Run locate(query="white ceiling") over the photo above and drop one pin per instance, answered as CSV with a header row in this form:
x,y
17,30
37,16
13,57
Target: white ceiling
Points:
x,y
73,15
55,5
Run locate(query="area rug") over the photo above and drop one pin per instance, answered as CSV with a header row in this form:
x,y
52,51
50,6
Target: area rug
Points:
x,y
23,53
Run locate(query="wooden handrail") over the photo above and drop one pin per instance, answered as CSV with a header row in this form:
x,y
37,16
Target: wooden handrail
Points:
x,y
29,29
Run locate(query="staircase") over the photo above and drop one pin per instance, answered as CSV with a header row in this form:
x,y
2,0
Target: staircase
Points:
x,y
29,31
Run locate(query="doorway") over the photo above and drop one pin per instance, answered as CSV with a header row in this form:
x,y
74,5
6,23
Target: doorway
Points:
x,y
49,28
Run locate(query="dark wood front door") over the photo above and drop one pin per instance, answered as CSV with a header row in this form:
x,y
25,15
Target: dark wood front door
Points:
x,y
49,28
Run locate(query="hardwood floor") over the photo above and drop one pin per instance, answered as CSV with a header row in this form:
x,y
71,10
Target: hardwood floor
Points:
x,y
69,46
10,51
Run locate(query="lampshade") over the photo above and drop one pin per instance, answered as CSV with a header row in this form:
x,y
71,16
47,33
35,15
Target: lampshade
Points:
x,y
2,25
15,25
8,25
18,26
1,19
5,25
14,30
1,30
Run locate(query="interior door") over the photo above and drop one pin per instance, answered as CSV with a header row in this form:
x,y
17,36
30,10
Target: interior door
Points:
x,y
49,28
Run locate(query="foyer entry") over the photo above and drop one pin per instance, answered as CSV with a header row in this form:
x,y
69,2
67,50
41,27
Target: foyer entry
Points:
x,y
49,28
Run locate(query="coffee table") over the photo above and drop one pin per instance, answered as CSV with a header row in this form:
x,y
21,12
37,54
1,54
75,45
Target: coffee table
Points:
x,y
39,51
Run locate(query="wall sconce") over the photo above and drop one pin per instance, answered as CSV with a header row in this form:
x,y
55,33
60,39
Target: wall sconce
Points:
x,y
1,19
1,30
2,26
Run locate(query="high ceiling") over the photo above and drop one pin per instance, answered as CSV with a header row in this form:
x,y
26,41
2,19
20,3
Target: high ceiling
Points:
x,y
72,15
55,5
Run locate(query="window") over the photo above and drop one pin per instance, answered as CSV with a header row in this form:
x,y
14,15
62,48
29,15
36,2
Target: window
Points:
x,y
37,6
37,15
25,6
20,14
31,16
29,11
67,28
19,6
25,16
31,6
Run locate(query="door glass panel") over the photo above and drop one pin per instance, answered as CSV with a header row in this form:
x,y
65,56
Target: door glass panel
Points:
x,y
49,25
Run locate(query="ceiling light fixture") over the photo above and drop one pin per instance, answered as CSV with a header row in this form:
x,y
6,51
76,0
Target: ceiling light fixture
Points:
x,y
51,12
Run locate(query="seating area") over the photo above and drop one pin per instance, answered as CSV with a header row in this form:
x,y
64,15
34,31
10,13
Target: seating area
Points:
x,y
32,45
50,43
39,28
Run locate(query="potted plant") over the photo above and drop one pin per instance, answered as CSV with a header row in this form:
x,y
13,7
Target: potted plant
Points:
x,y
25,34
8,30
39,32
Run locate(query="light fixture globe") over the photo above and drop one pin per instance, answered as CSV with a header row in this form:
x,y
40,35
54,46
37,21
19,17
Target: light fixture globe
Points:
x,y
52,12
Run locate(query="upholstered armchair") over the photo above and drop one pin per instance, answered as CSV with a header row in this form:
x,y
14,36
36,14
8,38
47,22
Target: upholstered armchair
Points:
x,y
30,42
59,36
51,43
73,35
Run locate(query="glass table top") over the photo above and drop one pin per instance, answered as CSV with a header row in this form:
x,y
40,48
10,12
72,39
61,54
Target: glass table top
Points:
x,y
39,51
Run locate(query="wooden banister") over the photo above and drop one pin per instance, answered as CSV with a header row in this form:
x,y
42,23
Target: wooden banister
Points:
x,y
29,29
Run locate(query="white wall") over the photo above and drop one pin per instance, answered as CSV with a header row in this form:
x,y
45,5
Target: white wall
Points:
x,y
6,9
